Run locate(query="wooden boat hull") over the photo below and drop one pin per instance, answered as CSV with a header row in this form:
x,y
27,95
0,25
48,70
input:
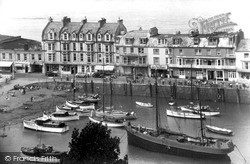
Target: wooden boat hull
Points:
x,y
219,130
181,114
206,113
147,105
172,146
62,119
32,125
117,115
80,112
71,105
106,123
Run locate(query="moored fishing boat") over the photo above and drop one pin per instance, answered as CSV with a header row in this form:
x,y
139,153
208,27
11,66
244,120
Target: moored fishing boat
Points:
x,y
106,121
45,124
41,153
148,105
206,110
90,98
218,130
80,112
62,116
117,114
183,114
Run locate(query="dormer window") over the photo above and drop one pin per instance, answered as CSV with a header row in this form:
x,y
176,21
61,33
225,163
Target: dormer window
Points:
x,y
107,36
89,37
51,36
212,41
143,40
177,41
74,36
196,41
65,36
129,40
81,36
99,37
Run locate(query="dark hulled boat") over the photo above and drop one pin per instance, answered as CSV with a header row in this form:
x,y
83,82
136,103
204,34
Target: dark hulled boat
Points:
x,y
170,142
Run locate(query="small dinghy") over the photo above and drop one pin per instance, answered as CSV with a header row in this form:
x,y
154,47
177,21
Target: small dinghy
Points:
x,y
148,105
218,130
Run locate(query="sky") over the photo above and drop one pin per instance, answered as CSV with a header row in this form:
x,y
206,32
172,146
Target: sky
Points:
x,y
167,15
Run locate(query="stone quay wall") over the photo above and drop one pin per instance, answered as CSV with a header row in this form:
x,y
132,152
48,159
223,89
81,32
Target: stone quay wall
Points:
x,y
230,95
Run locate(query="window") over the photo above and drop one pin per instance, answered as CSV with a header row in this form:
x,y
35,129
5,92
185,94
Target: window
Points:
x,y
212,41
81,46
74,46
10,56
197,62
64,57
88,58
170,60
230,41
18,57
143,40
246,55
159,41
156,60
141,50
25,56
99,47
218,52
129,41
181,72
99,58
208,52
54,57
68,57
83,68
125,60
245,65
170,50
197,51
81,36
74,36
107,59
219,74
90,47
117,59
131,49
218,62
107,48
107,37
3,55
124,49
49,57
89,37
32,57
49,46
180,51
196,41
232,74
51,36
177,41
166,51
39,57
99,37
156,51
65,36
74,56
81,56
166,60
65,46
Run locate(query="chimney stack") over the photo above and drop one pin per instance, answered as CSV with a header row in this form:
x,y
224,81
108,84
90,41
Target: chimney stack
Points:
x,y
50,19
102,22
153,31
120,21
84,20
65,20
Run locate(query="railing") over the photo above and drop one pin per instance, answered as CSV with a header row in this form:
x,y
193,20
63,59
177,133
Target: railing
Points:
x,y
202,66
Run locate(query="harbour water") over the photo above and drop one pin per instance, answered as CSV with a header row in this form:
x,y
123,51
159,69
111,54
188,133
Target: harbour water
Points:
x,y
233,116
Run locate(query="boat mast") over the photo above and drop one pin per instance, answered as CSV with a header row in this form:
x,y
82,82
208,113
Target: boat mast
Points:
x,y
191,71
199,102
156,103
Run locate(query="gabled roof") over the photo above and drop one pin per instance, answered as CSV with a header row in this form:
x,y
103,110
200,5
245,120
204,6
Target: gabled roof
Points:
x,y
52,26
72,27
109,27
244,45
90,27
4,37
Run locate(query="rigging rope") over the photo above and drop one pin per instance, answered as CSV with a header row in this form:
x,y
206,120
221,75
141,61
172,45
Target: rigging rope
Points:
x,y
122,139
241,154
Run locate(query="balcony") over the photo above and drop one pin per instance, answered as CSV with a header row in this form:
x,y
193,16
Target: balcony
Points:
x,y
230,56
243,70
133,64
133,54
203,66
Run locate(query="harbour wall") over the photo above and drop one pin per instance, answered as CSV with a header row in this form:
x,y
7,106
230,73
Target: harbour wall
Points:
x,y
230,95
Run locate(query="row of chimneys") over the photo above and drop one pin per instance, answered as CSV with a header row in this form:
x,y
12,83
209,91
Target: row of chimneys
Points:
x,y
101,22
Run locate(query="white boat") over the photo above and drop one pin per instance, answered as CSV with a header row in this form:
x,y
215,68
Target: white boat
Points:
x,y
45,124
80,112
148,105
71,104
219,130
62,116
183,114
109,122
118,114
196,110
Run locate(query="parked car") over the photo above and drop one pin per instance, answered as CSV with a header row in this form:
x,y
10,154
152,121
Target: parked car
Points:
x,y
98,75
81,75
52,73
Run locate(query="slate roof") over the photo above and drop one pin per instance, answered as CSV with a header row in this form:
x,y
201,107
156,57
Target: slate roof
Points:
x,y
72,27
109,27
90,26
244,45
136,35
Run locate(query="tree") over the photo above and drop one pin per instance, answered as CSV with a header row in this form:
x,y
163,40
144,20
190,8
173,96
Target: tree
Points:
x,y
94,145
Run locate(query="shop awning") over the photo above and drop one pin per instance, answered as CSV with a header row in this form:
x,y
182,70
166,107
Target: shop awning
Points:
x,y
18,65
5,63
105,68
